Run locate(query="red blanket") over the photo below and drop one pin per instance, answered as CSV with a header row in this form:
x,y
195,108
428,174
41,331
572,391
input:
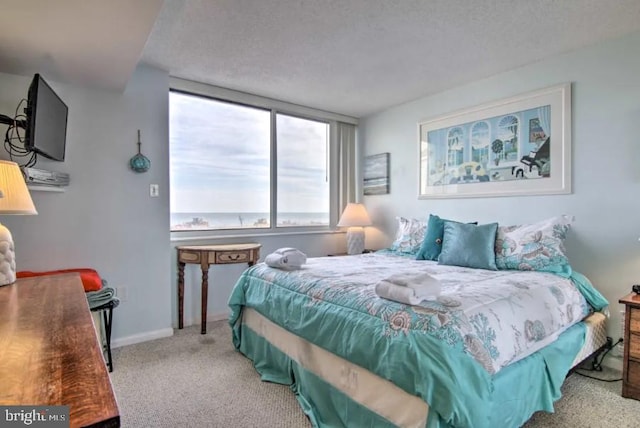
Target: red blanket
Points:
x,y
90,278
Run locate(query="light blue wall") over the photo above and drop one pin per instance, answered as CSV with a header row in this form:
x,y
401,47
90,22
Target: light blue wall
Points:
x,y
606,161
106,219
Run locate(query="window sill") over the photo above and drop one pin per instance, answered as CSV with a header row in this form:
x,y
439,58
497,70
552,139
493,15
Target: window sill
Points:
x,y
204,236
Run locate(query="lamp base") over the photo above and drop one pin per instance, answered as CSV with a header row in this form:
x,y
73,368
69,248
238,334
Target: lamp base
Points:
x,y
7,257
355,240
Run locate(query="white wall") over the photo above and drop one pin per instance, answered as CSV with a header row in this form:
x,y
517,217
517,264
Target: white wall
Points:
x,y
603,243
106,219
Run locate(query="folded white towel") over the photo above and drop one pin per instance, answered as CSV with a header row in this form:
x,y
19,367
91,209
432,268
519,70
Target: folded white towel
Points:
x,y
286,258
409,289
420,281
294,256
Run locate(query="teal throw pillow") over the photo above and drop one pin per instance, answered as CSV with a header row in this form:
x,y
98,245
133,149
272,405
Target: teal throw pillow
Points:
x,y
432,242
469,245
433,237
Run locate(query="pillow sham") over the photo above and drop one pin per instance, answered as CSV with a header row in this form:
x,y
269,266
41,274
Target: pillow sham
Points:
x,y
538,246
409,235
469,245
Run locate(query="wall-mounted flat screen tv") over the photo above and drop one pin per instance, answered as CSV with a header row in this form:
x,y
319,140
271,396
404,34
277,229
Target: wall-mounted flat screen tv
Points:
x,y
46,123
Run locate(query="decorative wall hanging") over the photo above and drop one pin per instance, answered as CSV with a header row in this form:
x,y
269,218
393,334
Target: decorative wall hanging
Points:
x,y
516,146
376,174
139,163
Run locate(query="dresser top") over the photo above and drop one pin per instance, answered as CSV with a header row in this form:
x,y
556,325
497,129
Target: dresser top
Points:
x,y
631,299
49,352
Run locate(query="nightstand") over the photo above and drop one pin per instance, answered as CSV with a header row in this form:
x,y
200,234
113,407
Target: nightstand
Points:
x,y
631,363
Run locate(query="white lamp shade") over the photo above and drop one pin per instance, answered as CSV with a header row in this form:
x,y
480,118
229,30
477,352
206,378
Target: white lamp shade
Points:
x,y
14,195
14,199
354,215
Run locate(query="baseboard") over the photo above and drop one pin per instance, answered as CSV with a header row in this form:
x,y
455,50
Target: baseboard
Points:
x,y
216,316
165,332
142,337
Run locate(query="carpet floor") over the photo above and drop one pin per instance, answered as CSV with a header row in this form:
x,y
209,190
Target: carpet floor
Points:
x,y
194,380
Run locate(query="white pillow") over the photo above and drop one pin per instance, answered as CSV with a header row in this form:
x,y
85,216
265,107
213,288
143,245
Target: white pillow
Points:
x,y
409,235
538,246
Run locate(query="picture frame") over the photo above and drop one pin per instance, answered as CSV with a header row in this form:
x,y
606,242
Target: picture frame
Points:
x,y
376,174
513,147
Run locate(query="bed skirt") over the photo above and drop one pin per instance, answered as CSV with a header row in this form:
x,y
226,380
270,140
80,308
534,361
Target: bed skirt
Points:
x,y
334,392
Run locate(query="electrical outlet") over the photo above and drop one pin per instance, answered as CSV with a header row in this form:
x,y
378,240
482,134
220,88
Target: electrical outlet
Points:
x,y
121,293
154,190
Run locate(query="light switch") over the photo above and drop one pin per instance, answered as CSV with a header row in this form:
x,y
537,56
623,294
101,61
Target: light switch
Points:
x,y
154,190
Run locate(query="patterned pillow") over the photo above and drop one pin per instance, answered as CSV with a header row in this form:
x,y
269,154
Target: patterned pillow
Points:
x,y
409,235
537,246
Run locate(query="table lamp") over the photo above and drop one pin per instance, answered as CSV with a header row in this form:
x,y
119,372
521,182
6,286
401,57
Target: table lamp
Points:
x,y
14,199
355,217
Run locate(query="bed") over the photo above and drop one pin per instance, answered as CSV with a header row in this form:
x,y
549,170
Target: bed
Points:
x,y
492,349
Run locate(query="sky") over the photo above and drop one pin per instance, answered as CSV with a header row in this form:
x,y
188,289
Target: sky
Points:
x,y
219,158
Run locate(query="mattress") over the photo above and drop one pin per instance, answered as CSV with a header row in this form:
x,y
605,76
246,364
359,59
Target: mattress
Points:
x,y
367,390
595,337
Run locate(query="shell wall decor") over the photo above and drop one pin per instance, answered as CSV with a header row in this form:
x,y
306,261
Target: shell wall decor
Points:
x,y
139,163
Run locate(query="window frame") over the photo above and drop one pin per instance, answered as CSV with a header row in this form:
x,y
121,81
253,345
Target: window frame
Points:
x,y
274,107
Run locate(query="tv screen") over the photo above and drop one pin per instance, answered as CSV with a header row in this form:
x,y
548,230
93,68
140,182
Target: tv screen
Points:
x,y
46,124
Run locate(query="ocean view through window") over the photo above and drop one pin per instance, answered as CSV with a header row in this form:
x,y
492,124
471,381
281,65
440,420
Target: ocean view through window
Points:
x,y
302,173
227,173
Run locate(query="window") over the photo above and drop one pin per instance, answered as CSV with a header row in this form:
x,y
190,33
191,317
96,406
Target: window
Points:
x,y
236,166
303,173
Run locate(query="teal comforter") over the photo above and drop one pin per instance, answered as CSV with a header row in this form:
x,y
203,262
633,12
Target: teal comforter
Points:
x,y
418,348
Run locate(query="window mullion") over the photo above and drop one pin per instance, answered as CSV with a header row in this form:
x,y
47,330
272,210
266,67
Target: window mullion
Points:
x,y
274,172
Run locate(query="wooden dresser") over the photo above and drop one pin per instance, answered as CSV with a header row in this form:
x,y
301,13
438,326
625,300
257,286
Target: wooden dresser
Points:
x,y
49,351
631,367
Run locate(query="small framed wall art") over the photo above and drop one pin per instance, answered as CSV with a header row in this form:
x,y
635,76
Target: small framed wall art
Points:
x,y
376,174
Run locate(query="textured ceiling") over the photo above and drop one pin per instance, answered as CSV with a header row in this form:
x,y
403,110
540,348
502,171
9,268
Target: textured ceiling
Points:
x,y
354,57
357,57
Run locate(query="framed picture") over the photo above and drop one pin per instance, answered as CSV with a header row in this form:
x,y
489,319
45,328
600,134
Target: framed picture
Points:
x,y
516,146
376,174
